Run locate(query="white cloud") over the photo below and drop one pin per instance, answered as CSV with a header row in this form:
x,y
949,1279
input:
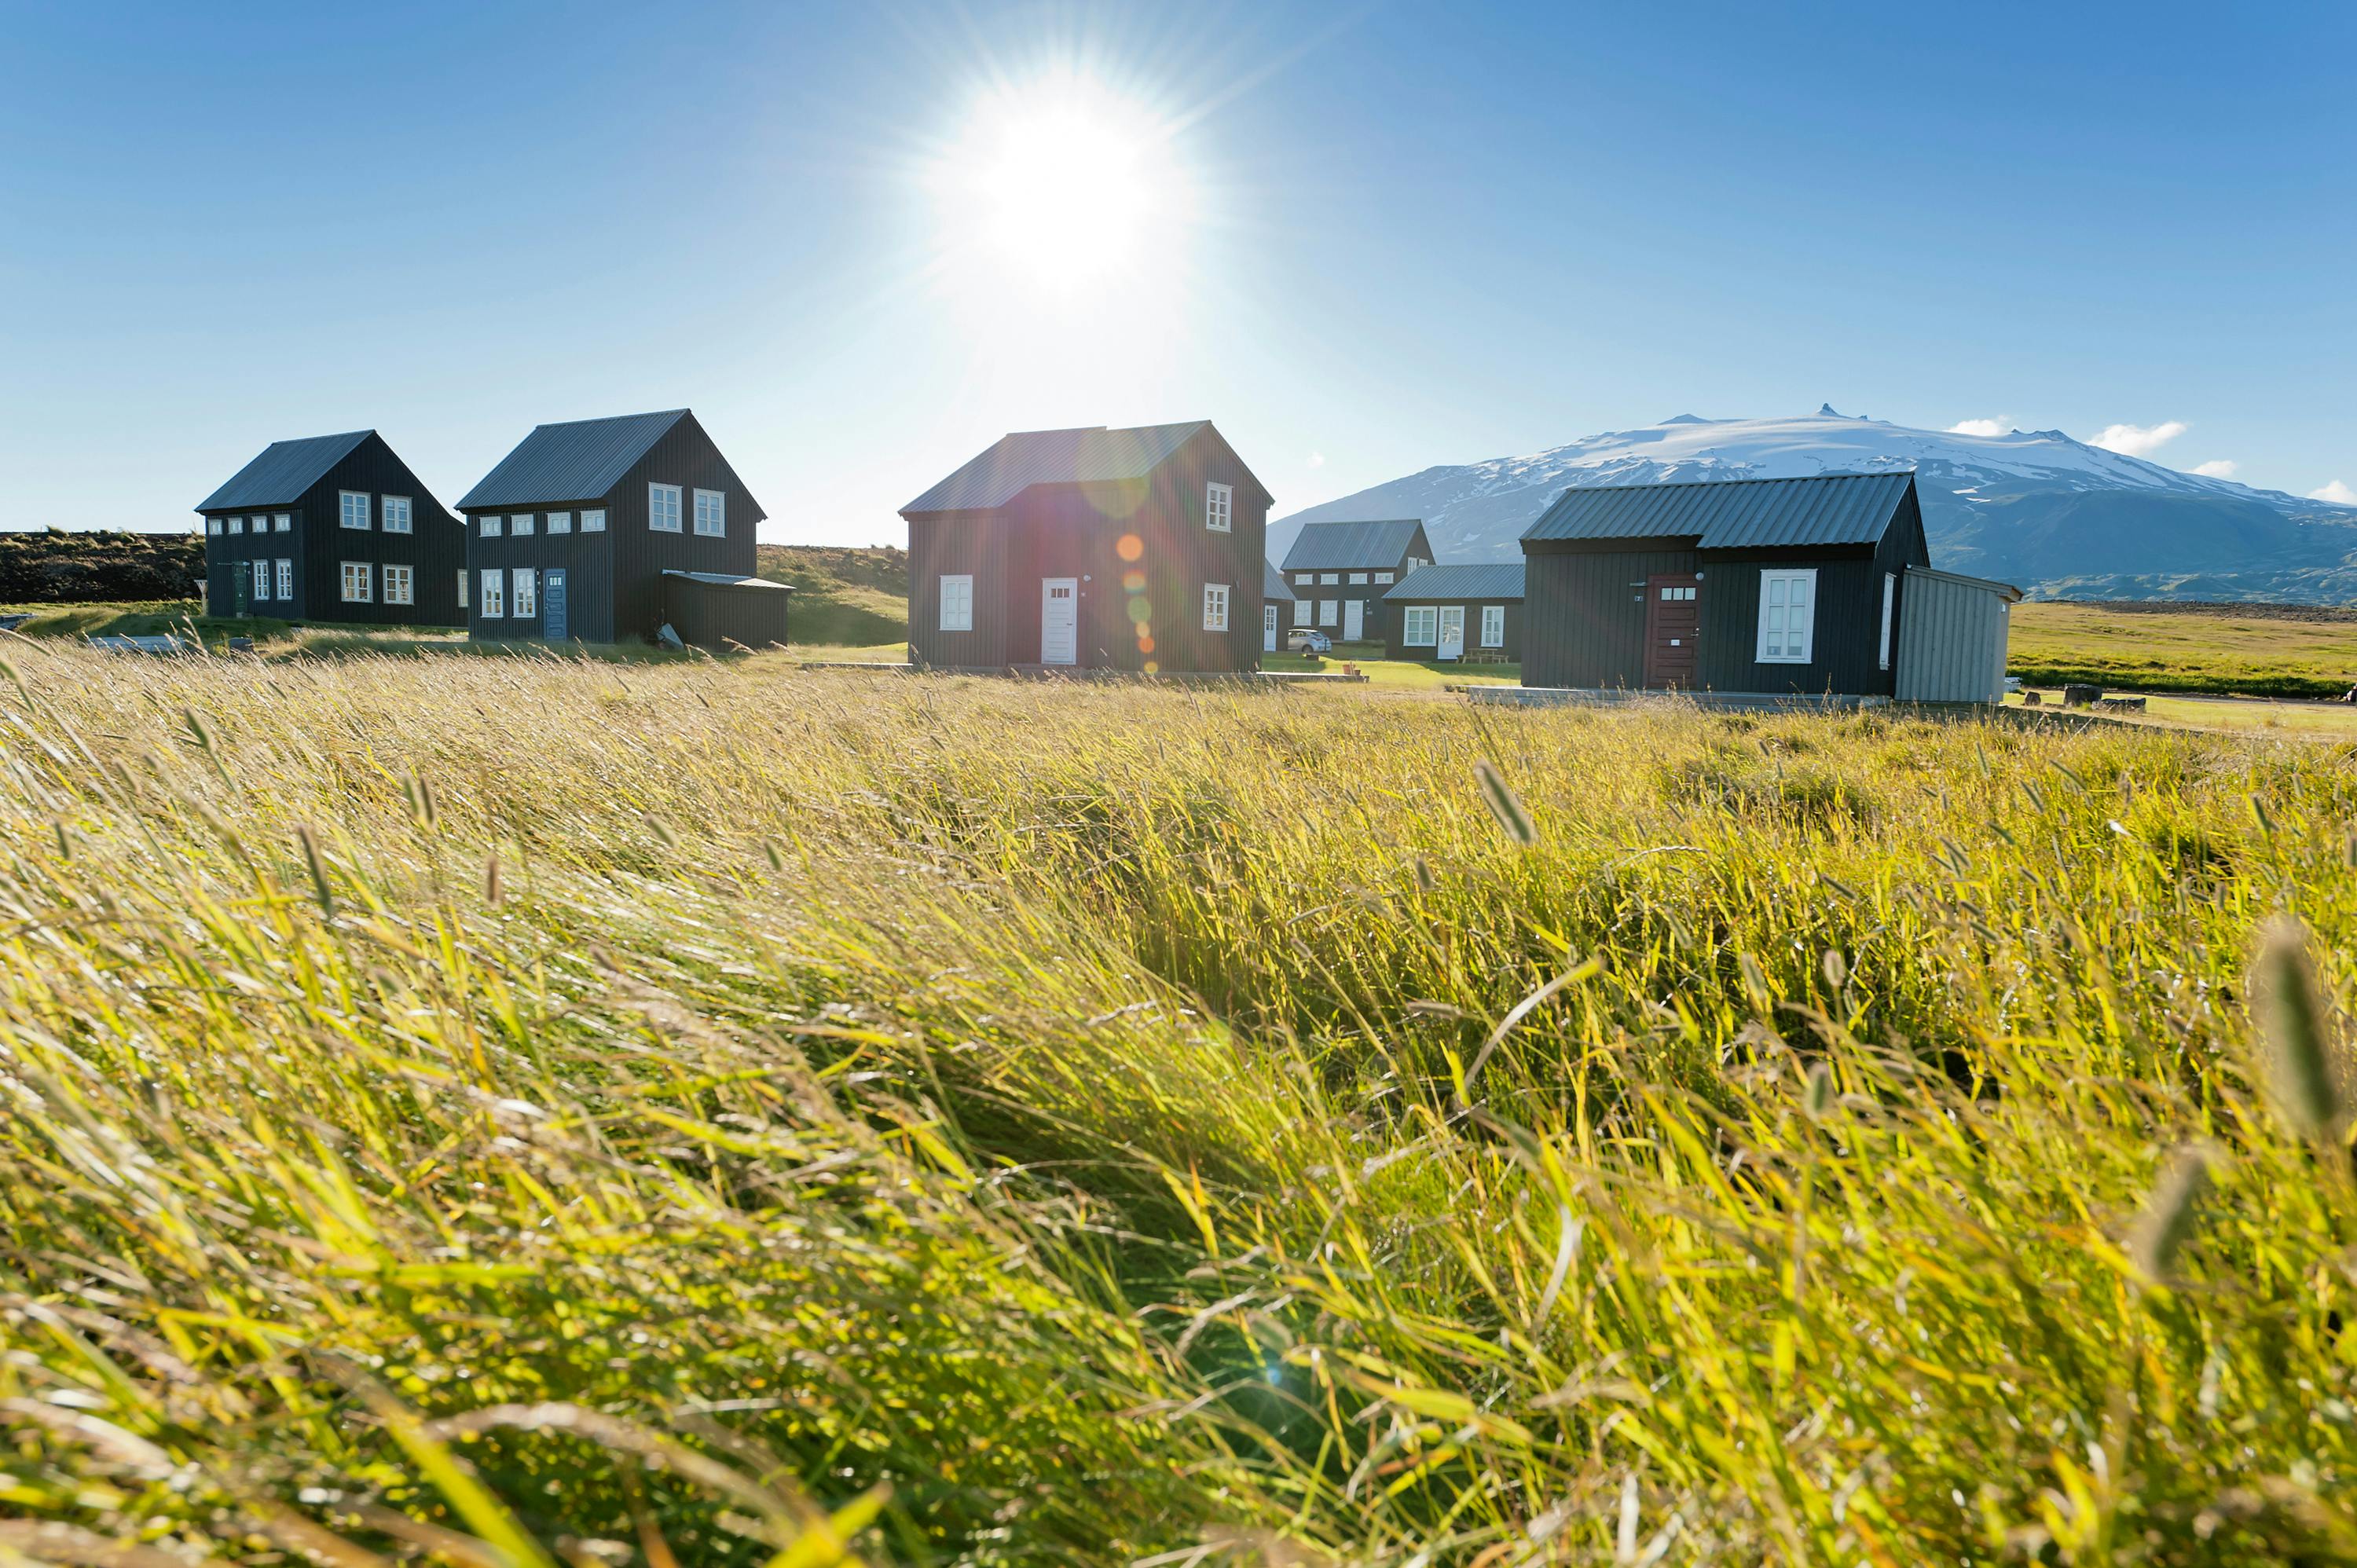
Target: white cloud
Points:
x,y
2335,492
2137,440
2216,469
1317,459
1996,426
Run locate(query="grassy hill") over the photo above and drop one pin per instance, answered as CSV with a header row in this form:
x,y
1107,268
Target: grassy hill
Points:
x,y
759,1116
54,566
2275,650
844,597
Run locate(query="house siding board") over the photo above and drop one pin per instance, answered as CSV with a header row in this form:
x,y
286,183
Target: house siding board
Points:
x,y
319,544
1584,613
1952,646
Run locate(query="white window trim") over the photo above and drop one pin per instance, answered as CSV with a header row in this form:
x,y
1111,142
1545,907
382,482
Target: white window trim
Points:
x,y
237,525
662,508
594,520
1358,577
494,524
1889,601
1382,576
520,524
344,499
462,587
283,522
560,522
213,526
262,577
1329,579
1420,626
1804,575
344,578
1220,507
719,499
388,505
286,579
1301,611
524,593
1329,612
959,586
1499,611
495,593
406,577
1304,579
1215,607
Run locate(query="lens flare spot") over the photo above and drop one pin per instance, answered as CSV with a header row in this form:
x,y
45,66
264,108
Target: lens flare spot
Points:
x,y
1139,610
1152,668
1129,547
1132,582
1144,642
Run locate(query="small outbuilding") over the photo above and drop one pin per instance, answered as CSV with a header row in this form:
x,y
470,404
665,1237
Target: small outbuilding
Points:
x,y
1453,613
1800,587
1091,548
1275,602
574,533
333,528
1341,570
716,609
1952,642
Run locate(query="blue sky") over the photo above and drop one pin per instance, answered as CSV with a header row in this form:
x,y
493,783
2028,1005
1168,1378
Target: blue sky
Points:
x,y
1364,240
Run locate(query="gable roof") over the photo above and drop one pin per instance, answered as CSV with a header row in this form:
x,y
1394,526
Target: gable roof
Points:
x,y
1491,580
1733,514
284,471
578,461
1331,546
1273,586
1088,454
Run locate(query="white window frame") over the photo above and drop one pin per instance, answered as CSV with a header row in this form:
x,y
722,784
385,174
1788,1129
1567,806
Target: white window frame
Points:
x,y
262,594
1215,607
719,514
1304,579
594,520
1889,603
560,522
1220,507
1329,612
462,587
213,525
355,503
495,593
524,593
1358,577
1805,636
1329,579
1493,626
396,513
662,508
286,579
362,573
519,525
957,595
237,525
1420,626
283,522
400,583
493,524
1383,577
1301,612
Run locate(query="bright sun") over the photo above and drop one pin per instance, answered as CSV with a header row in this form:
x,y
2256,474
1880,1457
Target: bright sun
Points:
x,y
1065,184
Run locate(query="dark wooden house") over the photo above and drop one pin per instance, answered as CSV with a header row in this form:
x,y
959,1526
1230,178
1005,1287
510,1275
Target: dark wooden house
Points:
x,y
333,528
1452,613
598,529
1275,607
1341,570
1091,549
1776,586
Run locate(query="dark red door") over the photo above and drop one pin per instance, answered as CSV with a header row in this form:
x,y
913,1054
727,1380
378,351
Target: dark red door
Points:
x,y
1673,620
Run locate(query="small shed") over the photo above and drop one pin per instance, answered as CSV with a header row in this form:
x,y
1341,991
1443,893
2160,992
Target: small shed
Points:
x,y
1274,598
716,609
1450,613
1951,644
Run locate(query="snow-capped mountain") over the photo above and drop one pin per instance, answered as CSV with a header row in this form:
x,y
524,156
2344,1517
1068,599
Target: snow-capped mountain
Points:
x,y
2037,508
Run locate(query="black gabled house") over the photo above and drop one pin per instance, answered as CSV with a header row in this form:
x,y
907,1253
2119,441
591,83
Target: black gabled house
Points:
x,y
603,529
1341,570
332,527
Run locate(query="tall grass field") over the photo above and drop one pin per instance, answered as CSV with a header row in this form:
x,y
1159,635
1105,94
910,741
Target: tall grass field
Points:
x,y
527,1111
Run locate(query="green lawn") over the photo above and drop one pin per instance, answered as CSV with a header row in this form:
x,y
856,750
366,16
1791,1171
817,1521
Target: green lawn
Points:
x,y
2250,649
1426,675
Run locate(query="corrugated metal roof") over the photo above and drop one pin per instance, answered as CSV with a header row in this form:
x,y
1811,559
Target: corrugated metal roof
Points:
x,y
2007,591
1090,454
1332,546
1731,514
284,471
730,580
1487,581
1273,587
579,461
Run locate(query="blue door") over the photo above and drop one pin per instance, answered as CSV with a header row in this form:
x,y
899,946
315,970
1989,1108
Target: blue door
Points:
x,y
552,605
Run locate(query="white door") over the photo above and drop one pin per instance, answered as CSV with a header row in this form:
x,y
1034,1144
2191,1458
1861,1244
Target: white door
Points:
x,y
1268,628
1060,620
1354,619
1452,631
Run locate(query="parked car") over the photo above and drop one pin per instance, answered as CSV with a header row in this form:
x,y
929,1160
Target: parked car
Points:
x,y
1309,639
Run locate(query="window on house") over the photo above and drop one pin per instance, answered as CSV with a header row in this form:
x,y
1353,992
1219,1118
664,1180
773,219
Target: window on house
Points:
x,y
287,579
284,521
1219,508
1303,579
1415,561
527,593
1329,612
1327,579
592,522
358,583
1788,612
213,526
957,603
261,579
711,513
495,593
520,523
1215,607
1383,577
1493,626
396,512
492,526
560,522
401,584
1890,601
354,509
1420,626
1358,577
237,525
462,587
662,508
